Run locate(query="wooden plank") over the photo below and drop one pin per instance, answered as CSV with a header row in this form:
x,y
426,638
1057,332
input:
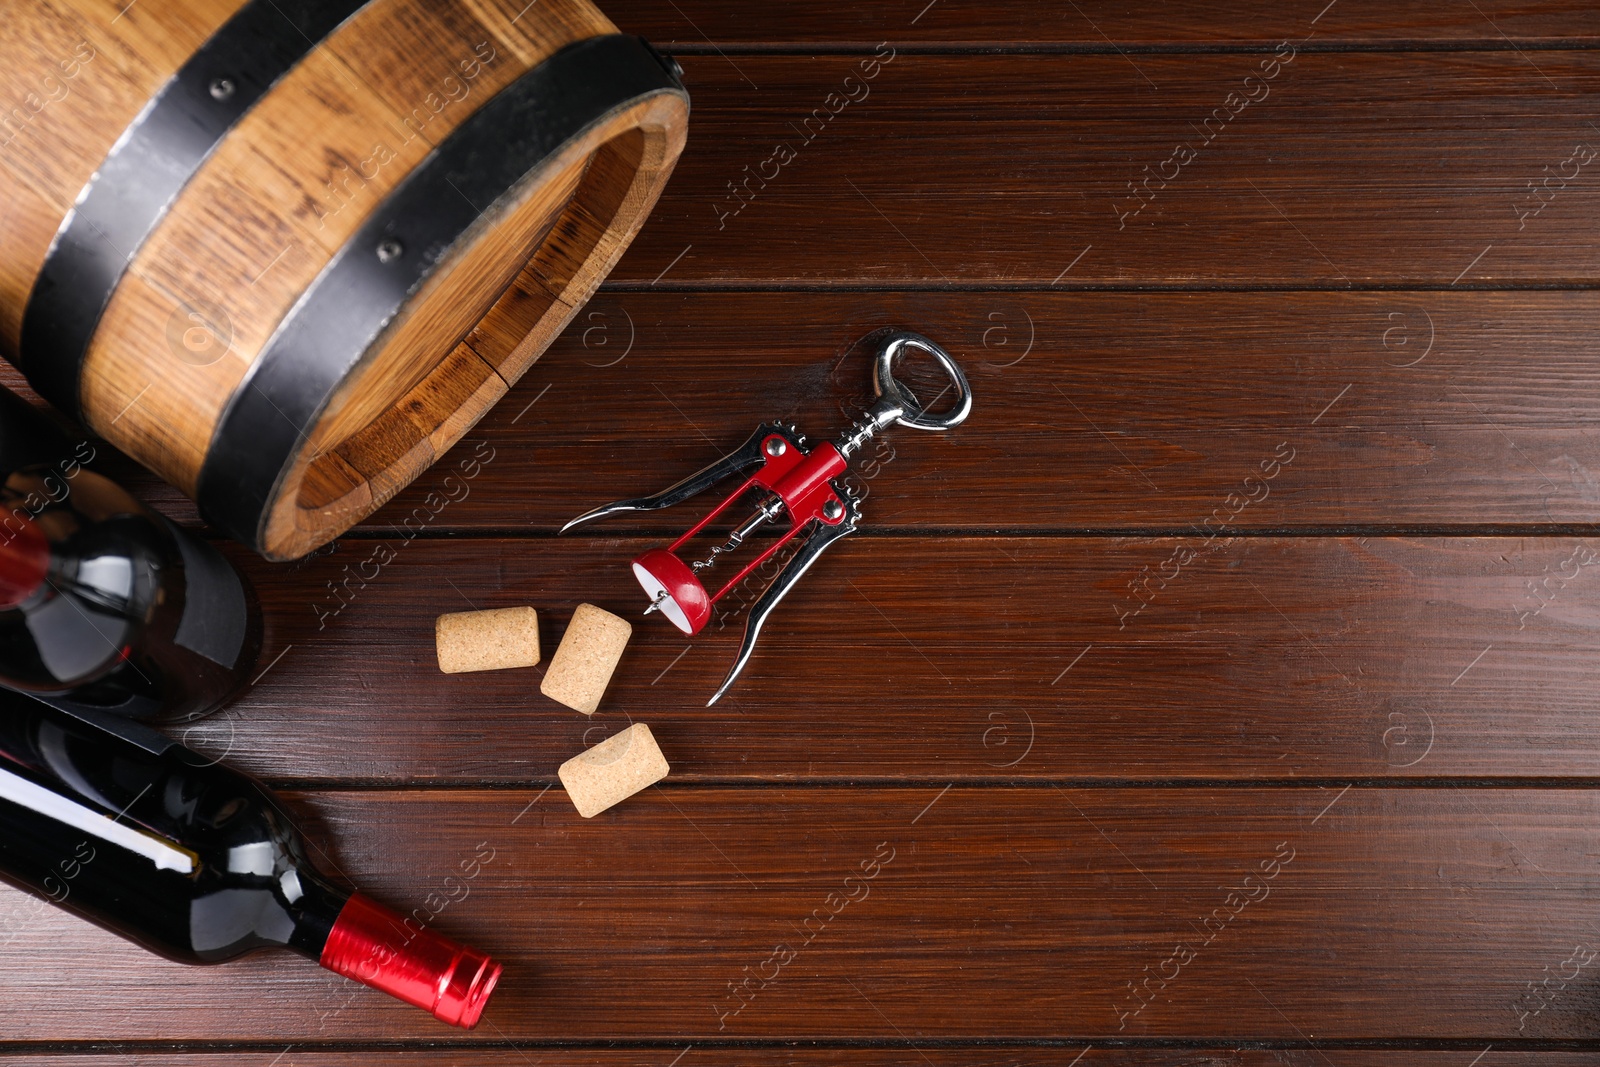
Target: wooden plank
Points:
x,y
1103,411
1352,169
1408,914
982,658
987,1055
1101,24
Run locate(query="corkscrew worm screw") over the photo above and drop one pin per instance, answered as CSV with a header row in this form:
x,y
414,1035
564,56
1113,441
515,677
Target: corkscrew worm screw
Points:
x,y
801,486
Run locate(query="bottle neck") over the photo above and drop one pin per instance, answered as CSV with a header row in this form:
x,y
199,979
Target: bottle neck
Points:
x,y
24,558
370,944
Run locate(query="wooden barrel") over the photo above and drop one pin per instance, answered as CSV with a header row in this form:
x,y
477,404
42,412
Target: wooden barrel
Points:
x,y
286,252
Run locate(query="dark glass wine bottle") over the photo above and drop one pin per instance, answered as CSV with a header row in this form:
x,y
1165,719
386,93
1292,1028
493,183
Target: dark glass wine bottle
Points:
x,y
197,862
104,604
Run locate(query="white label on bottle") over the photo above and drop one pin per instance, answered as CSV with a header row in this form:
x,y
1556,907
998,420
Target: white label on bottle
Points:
x,y
166,857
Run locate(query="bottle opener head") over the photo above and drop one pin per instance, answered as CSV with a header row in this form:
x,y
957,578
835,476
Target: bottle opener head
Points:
x,y
913,414
898,405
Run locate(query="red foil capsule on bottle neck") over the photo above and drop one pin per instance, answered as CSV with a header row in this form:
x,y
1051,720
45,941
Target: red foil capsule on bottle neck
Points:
x,y
376,947
24,559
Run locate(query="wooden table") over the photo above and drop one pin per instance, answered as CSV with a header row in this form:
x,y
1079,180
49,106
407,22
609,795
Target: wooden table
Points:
x,y
1223,692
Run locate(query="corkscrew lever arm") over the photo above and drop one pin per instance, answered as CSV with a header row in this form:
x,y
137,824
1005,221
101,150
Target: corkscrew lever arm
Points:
x,y
821,536
746,457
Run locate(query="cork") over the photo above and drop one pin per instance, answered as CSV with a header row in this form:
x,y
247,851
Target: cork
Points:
x,y
613,770
487,640
581,668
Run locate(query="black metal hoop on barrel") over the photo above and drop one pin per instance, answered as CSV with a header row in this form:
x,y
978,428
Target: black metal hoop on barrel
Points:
x,y
144,172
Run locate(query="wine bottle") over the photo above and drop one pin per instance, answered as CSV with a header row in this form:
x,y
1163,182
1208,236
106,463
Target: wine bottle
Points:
x,y
104,604
197,862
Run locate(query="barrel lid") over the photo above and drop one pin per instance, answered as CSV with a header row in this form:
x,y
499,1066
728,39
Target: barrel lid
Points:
x,y
275,409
